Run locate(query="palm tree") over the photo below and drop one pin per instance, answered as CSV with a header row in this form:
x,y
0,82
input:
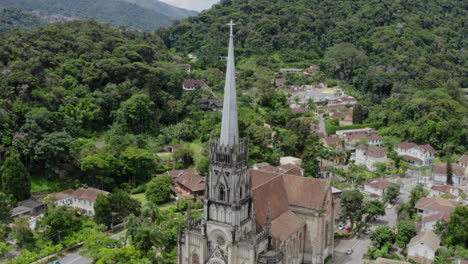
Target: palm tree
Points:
x,y
151,210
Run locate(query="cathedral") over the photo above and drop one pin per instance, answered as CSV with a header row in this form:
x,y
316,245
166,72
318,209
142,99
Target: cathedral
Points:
x,y
257,215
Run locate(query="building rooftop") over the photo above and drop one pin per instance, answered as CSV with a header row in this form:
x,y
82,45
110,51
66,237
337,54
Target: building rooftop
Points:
x,y
437,204
89,194
427,238
378,183
457,170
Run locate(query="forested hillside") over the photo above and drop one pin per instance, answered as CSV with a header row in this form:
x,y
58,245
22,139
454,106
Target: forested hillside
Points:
x,y
13,18
161,7
116,13
408,59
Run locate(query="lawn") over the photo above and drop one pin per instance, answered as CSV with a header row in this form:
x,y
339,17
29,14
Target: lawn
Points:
x,y
44,185
141,197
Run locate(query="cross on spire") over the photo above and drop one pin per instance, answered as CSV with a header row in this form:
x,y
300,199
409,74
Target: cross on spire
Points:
x,y
231,24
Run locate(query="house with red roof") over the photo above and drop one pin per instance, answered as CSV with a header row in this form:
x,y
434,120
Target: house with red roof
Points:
x,y
463,161
376,188
417,155
430,221
81,198
439,176
190,85
188,184
438,190
423,246
370,156
427,206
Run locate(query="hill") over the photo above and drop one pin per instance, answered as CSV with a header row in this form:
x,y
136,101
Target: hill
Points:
x,y
161,7
406,59
116,13
11,18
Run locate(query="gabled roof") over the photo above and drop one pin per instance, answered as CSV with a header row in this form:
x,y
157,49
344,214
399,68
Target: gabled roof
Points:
x,y
291,169
192,181
378,183
463,159
89,194
195,83
62,195
437,216
376,152
423,148
427,238
457,170
443,188
177,173
436,204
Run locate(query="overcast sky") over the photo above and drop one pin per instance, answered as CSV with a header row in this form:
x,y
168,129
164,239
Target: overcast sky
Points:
x,y
197,5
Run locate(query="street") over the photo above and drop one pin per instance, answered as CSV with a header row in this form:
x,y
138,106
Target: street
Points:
x,y
360,245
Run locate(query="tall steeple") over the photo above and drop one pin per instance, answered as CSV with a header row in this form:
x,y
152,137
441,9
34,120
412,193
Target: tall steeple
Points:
x,y
230,126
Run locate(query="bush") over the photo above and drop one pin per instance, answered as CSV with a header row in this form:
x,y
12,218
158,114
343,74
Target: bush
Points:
x,y
158,190
139,189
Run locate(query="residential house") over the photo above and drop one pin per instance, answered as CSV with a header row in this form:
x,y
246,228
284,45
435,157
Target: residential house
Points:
x,y
417,155
280,83
427,206
172,148
313,68
192,57
366,130
376,188
30,207
185,67
188,184
84,199
63,197
375,140
300,110
447,190
439,175
190,85
423,246
429,221
331,142
463,161
370,156
347,100
287,71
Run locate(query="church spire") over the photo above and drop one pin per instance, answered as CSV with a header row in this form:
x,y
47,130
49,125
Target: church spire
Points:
x,y
229,126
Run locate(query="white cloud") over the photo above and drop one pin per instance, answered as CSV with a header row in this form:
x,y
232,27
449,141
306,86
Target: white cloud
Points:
x,y
197,5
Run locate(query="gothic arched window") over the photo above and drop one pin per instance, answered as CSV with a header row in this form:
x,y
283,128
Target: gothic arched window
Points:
x,y
195,259
222,193
240,192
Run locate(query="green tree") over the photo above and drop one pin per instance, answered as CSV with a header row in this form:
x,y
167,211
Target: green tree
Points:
x,y
184,156
392,192
139,164
6,205
102,169
58,222
22,232
158,190
122,205
352,204
373,209
102,211
136,115
406,231
310,162
382,236
417,193
457,233
15,178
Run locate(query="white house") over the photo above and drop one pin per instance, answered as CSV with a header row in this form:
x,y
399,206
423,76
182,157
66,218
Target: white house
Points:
x,y
439,175
370,156
286,71
430,221
375,140
82,198
418,155
438,190
427,206
423,246
463,161
376,187
190,85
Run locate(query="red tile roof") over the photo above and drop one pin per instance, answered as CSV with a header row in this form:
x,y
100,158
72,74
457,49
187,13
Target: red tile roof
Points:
x,y
195,83
193,182
438,216
443,188
463,159
89,194
62,195
409,145
177,173
436,204
378,183
300,110
285,225
291,169
457,170
376,152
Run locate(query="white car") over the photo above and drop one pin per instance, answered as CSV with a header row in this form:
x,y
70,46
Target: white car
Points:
x,y
389,206
349,251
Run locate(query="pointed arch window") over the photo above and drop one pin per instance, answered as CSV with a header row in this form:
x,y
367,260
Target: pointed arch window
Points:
x,y
222,193
241,192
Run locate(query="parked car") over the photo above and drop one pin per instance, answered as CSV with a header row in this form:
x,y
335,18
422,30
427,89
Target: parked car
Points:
x,y
349,251
367,231
341,226
347,229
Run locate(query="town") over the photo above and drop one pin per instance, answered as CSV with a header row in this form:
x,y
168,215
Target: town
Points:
x,y
251,132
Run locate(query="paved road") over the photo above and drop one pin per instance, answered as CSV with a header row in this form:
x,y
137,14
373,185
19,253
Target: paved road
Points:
x,y
75,257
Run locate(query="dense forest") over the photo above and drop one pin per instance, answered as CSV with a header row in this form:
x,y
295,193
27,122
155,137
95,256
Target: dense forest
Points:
x,y
116,13
161,7
13,18
406,59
